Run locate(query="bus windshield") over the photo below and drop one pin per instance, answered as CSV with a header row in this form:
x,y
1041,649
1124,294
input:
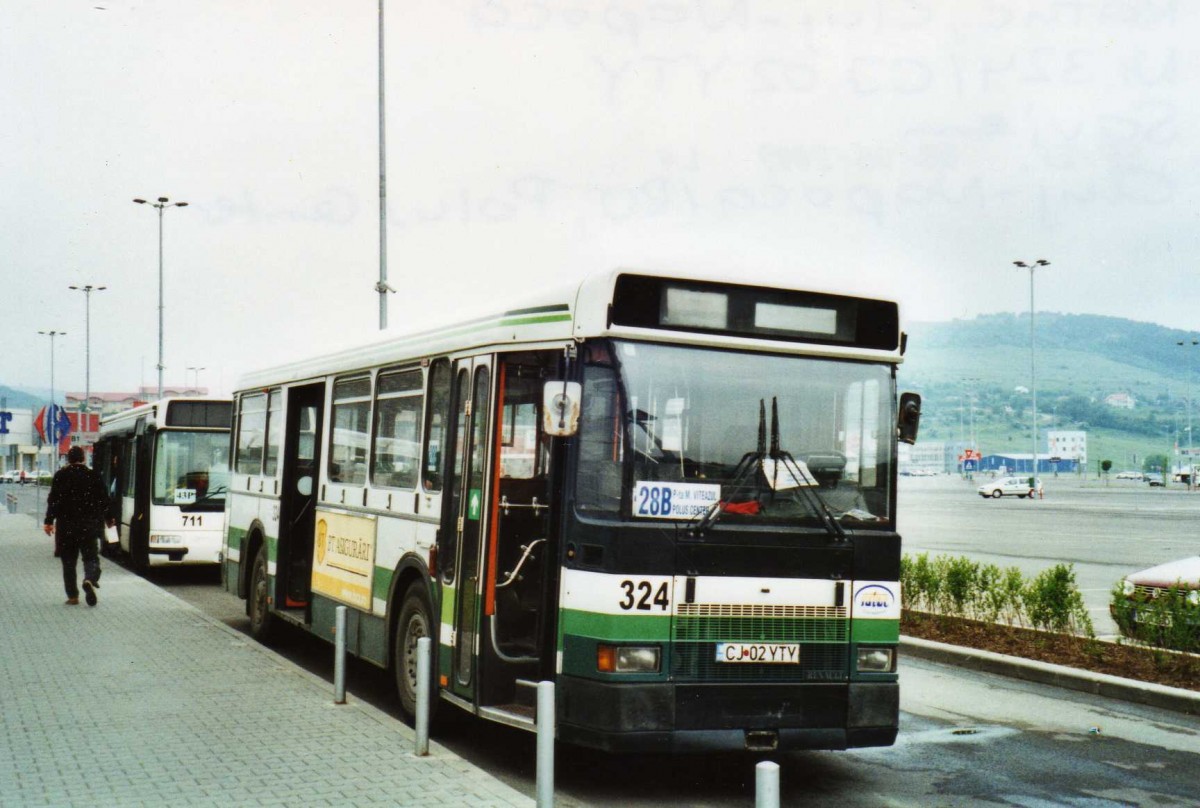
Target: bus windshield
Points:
x,y
191,469
664,430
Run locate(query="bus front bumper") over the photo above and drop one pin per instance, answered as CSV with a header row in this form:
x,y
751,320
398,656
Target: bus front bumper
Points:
x,y
725,717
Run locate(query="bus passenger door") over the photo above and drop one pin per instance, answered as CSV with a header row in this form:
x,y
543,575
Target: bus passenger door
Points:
x,y
297,502
519,544
464,513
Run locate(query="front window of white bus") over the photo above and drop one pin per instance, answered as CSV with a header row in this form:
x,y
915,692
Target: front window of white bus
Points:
x,y
191,469
670,431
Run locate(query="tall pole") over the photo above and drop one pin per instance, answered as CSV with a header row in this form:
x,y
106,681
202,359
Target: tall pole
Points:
x,y
1041,262
162,202
1191,368
51,424
382,286
87,342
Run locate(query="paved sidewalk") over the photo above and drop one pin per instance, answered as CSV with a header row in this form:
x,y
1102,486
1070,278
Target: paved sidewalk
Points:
x,y
144,700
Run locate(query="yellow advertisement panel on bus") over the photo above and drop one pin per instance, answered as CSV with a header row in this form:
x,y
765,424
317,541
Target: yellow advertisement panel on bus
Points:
x,y
344,557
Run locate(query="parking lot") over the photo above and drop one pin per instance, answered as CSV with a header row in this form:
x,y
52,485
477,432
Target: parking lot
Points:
x,y
1104,528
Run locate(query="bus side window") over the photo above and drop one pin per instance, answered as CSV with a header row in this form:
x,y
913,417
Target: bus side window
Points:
x,y
351,423
274,432
397,429
252,425
437,416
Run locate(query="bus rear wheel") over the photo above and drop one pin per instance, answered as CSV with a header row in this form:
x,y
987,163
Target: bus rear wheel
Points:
x,y
262,623
415,621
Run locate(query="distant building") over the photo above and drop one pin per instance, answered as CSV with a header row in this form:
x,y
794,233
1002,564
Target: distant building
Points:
x,y
1122,401
112,403
1068,443
923,456
1019,463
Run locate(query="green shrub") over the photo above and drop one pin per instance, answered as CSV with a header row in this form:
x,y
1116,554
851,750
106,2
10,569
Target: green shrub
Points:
x,y
961,586
1053,602
956,586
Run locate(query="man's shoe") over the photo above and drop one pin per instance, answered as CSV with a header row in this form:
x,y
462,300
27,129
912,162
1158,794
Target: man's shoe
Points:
x,y
72,601
89,593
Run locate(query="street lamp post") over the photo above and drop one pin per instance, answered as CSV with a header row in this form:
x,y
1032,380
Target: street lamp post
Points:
x,y
1041,262
52,427
87,342
1191,368
196,386
162,202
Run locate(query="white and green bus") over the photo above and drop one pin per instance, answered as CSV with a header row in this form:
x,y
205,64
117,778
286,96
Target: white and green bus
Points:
x,y
166,469
674,497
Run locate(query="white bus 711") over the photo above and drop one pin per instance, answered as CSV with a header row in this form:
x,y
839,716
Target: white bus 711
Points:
x,y
166,469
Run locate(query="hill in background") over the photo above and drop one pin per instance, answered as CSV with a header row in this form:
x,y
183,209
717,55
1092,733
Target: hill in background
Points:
x,y
981,368
22,399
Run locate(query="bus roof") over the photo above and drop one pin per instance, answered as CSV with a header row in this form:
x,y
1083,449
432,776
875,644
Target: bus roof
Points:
x,y
568,314
126,419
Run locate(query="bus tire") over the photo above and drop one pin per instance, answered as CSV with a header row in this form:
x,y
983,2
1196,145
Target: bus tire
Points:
x,y
258,606
415,621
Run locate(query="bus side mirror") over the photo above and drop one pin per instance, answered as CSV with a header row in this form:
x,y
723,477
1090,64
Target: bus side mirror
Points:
x,y
909,418
560,408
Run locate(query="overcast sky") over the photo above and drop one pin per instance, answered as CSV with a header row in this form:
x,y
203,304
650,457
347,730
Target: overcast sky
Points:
x,y
901,149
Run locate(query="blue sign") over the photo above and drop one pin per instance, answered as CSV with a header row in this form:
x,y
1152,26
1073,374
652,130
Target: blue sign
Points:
x,y
58,425
5,417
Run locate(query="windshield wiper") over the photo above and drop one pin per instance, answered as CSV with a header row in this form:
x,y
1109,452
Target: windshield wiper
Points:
x,y
807,485
794,476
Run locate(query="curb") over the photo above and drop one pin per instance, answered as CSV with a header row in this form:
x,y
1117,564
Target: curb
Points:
x,y
1101,684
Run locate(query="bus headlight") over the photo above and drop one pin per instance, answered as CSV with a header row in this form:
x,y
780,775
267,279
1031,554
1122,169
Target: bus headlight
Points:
x,y
876,660
628,658
1127,587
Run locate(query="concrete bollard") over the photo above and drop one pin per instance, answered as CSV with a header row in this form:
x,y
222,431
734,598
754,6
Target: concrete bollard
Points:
x,y
421,719
339,656
545,745
766,785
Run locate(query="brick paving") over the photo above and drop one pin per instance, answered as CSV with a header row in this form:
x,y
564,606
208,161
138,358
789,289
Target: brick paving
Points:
x,y
144,700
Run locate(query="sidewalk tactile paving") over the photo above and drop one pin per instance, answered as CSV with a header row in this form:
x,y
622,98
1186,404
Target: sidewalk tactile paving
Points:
x,y
143,700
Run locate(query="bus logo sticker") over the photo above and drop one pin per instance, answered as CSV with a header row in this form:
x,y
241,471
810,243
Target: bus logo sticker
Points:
x,y
873,599
322,537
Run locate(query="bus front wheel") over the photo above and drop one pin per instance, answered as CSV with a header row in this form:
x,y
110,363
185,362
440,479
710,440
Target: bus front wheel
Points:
x,y
415,622
262,624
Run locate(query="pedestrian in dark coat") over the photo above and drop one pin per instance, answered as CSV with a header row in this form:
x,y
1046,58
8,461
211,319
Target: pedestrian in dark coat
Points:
x,y
76,512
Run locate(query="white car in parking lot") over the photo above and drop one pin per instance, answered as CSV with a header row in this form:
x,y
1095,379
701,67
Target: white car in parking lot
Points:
x,y
1131,475
1010,487
12,476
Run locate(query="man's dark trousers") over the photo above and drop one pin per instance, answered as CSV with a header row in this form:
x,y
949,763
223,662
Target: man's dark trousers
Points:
x,y
79,537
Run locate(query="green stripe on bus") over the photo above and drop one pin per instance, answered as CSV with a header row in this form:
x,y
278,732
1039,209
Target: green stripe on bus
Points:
x,y
381,584
553,318
875,631
237,538
620,627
